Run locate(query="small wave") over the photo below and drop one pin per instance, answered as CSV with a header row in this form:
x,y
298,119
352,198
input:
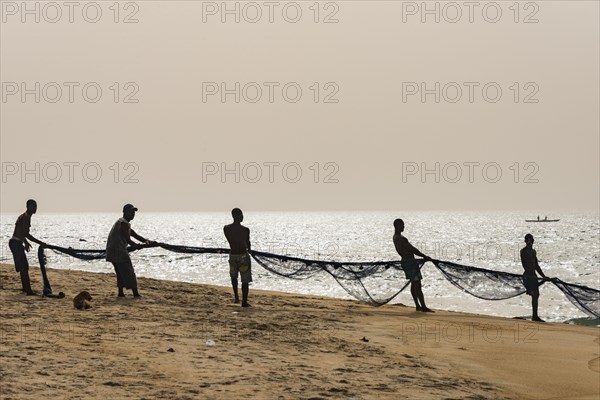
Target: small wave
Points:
x,y
584,321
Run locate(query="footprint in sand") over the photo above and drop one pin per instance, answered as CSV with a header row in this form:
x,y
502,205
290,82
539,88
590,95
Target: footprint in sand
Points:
x,y
594,364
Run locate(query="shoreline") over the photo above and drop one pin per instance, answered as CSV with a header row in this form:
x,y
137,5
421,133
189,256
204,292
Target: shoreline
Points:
x,y
285,346
583,319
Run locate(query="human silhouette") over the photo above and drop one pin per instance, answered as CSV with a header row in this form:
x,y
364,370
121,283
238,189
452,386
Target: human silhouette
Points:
x,y
19,244
530,265
407,253
116,251
238,237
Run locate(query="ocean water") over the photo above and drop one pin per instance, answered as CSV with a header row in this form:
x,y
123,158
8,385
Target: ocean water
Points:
x,y
568,249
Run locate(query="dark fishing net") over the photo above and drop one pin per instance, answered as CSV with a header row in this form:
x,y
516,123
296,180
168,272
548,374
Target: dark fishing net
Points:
x,y
379,282
42,260
483,283
190,249
583,297
81,254
375,282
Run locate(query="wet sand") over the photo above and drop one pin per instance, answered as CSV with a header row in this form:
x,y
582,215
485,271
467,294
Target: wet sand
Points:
x,y
284,347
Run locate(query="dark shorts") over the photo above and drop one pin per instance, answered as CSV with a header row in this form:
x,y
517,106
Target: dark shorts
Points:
x,y
411,270
18,250
125,275
240,263
531,284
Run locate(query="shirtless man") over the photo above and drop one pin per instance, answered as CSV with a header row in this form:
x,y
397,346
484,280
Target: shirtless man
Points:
x,y
407,252
530,265
116,251
238,237
18,245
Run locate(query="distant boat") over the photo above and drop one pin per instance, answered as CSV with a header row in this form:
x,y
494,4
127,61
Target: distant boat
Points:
x,y
542,220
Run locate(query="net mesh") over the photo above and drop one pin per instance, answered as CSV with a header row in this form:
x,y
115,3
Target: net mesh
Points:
x,y
376,282
583,297
482,283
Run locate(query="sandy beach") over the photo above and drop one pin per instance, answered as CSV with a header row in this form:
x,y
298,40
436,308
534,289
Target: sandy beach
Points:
x,y
284,347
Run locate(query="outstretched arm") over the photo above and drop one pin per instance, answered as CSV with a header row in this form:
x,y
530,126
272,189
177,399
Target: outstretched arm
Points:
x,y
538,268
418,253
138,237
35,240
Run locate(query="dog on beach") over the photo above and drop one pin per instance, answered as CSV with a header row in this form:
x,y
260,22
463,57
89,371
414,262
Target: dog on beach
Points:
x,y
82,300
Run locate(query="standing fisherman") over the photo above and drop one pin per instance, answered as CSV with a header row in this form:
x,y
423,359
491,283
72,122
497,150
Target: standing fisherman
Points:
x,y
238,237
407,252
530,280
116,251
19,245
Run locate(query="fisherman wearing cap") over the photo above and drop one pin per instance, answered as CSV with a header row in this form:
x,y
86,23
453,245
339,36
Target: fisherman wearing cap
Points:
x,y
116,250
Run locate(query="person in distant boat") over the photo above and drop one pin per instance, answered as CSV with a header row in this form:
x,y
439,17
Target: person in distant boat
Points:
x,y
538,217
18,245
116,251
407,253
530,265
238,237
546,218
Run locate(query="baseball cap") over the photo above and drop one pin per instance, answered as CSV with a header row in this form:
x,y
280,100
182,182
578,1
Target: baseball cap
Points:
x,y
129,207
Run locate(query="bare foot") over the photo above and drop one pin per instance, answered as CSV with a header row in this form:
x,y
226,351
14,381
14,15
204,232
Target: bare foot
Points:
x,y
236,301
418,308
246,305
537,319
425,309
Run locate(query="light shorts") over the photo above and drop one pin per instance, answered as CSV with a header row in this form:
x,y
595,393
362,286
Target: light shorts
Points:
x,y
240,263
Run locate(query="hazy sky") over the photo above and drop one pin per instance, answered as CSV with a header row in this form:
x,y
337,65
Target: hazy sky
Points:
x,y
366,126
